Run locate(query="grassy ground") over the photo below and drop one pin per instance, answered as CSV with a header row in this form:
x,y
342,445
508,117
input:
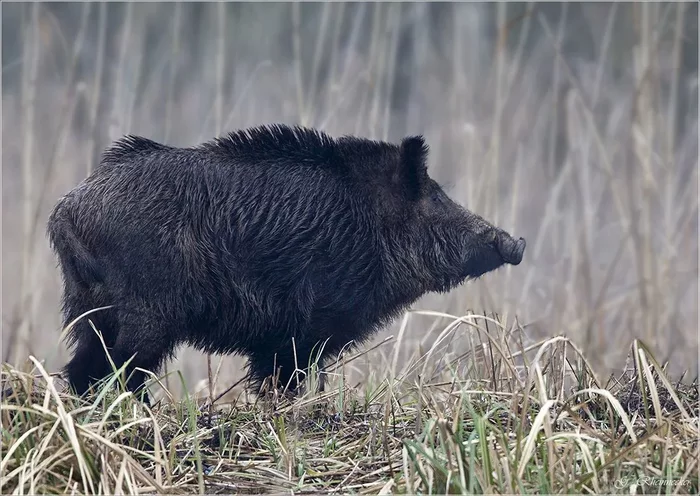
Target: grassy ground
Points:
x,y
498,419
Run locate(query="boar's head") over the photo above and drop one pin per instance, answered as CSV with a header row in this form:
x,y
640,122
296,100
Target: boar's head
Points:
x,y
433,240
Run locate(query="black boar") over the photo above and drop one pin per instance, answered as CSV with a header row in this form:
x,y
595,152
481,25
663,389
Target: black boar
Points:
x,y
242,243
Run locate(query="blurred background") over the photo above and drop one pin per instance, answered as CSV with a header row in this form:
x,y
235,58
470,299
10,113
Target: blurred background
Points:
x,y
574,125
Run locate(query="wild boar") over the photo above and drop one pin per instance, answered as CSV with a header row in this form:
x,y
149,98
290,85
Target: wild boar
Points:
x,y
244,242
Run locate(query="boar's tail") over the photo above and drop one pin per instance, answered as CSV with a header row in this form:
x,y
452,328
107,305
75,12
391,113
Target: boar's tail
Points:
x,y
75,258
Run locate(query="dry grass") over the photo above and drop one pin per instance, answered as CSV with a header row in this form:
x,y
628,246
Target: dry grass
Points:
x,y
503,420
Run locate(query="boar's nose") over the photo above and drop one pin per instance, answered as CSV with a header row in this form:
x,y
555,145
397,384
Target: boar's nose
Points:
x,y
511,250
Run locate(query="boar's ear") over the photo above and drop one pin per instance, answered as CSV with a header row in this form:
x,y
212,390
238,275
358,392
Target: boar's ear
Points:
x,y
414,171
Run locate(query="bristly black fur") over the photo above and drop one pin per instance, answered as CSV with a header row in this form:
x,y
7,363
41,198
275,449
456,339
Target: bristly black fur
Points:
x,y
276,140
128,147
281,145
250,240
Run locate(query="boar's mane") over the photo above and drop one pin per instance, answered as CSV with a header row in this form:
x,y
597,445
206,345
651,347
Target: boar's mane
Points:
x,y
296,146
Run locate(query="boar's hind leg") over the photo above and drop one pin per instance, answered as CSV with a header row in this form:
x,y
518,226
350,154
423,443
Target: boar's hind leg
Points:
x,y
89,362
146,339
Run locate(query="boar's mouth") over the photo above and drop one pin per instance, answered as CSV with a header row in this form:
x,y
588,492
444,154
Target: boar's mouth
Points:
x,y
510,249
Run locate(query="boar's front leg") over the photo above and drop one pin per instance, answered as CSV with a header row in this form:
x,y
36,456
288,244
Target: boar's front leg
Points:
x,y
281,363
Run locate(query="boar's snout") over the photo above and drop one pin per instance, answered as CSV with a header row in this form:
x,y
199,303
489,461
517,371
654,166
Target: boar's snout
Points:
x,y
510,249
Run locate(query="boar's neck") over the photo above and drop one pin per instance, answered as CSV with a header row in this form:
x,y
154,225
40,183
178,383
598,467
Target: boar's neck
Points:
x,y
404,275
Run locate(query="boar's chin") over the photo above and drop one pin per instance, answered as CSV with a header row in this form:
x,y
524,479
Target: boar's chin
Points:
x,y
480,262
